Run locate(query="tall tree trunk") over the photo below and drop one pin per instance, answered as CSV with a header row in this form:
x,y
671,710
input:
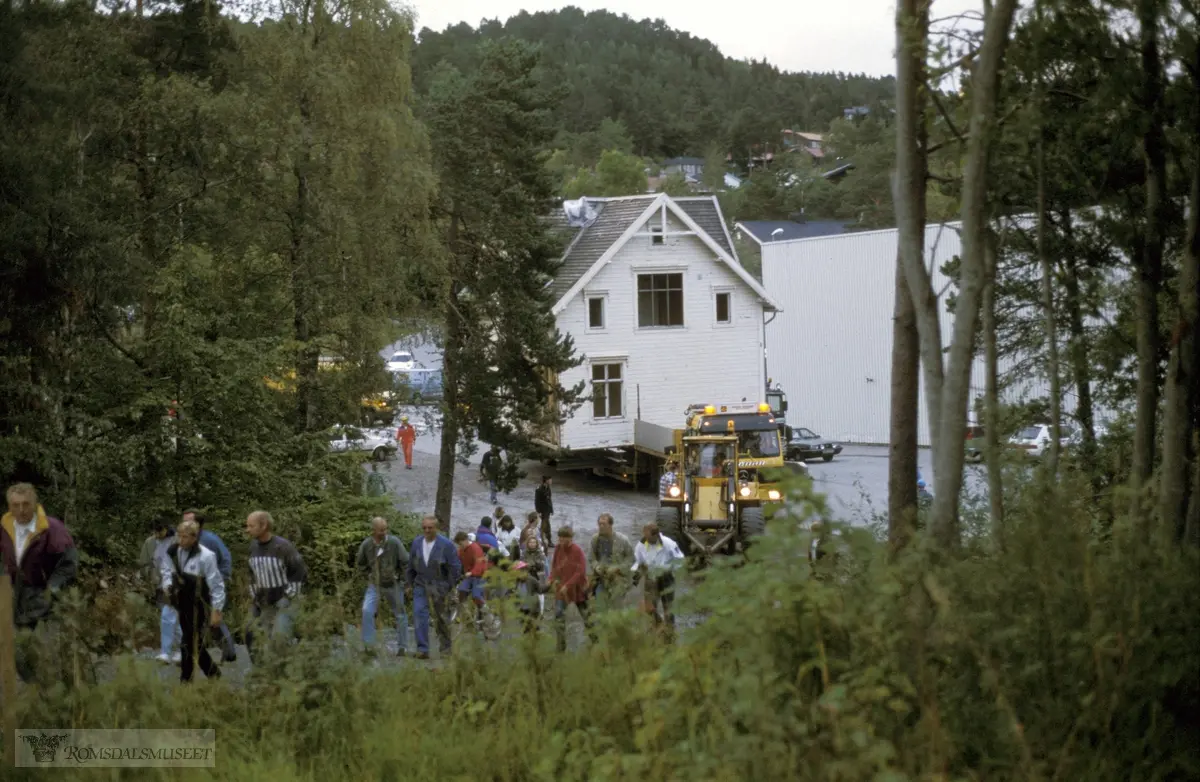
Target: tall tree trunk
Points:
x,y
1078,352
452,353
912,42
991,393
1182,389
955,397
1048,315
902,464
303,286
1149,276
448,454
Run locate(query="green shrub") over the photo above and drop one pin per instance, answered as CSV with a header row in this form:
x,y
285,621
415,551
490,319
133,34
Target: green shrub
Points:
x,y
1054,656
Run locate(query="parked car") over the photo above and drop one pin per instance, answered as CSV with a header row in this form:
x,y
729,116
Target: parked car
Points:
x,y
418,386
975,443
806,444
1034,439
401,361
380,443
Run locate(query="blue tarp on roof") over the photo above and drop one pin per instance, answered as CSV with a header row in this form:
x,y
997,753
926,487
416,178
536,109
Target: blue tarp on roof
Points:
x,y
762,229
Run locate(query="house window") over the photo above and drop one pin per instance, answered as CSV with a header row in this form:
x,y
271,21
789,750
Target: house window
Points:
x,y
724,306
660,300
606,390
596,312
656,236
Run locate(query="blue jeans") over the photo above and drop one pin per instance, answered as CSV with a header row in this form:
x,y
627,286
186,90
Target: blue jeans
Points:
x,y
428,600
169,633
394,597
493,489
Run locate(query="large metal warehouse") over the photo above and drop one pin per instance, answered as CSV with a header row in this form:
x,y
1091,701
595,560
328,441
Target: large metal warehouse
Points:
x,y
831,346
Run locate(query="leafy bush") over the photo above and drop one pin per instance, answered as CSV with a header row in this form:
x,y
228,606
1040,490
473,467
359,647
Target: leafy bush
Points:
x,y
1056,655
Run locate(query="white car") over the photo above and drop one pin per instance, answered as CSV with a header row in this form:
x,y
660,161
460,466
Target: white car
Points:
x,y
1034,439
401,361
381,443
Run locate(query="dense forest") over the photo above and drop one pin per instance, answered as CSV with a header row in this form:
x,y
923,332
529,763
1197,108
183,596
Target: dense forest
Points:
x,y
675,94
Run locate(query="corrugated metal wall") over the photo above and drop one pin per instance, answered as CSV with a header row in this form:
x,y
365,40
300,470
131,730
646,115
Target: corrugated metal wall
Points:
x,y
831,347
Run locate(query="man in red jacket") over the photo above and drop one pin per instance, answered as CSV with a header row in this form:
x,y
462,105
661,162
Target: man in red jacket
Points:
x,y
474,565
568,578
38,554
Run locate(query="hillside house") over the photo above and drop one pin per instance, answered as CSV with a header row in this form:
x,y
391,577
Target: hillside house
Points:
x,y
652,292
808,143
692,167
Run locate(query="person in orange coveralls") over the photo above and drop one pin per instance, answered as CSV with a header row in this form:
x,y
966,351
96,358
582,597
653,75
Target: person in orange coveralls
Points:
x,y
407,436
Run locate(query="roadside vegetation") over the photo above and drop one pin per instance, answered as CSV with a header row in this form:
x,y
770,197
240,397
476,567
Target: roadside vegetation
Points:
x,y
1048,653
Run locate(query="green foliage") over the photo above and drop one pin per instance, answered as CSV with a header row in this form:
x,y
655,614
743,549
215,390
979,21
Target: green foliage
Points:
x,y
1055,654
189,208
675,94
675,185
616,174
502,349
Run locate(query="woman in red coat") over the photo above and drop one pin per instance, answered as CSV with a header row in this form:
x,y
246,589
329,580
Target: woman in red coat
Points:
x,y
568,579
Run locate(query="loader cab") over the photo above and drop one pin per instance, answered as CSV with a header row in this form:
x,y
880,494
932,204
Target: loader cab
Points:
x,y
708,459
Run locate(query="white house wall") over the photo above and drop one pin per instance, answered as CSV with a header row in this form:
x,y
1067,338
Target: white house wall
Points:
x,y
830,348
667,368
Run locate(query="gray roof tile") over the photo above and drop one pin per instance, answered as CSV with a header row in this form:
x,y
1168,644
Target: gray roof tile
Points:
x,y
615,217
708,216
592,242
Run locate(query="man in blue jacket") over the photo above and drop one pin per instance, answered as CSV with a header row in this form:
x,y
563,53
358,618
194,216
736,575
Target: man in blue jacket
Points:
x,y
212,542
433,571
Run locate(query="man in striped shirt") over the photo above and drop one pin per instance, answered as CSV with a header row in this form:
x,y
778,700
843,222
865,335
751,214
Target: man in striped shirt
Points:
x,y
667,480
277,572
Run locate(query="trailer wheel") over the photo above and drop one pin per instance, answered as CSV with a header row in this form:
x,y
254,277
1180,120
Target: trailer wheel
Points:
x,y
754,523
669,524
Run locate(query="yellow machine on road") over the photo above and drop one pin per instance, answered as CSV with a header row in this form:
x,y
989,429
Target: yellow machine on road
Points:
x,y
721,492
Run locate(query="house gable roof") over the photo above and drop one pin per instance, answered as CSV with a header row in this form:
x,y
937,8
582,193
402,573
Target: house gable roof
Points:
x,y
620,219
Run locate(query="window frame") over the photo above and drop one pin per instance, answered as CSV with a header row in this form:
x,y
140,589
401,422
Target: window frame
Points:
x,y
608,382
602,296
657,236
717,294
638,273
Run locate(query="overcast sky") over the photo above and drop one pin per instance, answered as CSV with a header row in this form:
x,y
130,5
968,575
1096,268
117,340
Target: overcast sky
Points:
x,y
853,36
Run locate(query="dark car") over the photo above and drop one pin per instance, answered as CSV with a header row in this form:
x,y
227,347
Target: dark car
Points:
x,y
806,444
975,443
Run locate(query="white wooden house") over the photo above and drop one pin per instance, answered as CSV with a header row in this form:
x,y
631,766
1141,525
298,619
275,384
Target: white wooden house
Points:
x,y
664,315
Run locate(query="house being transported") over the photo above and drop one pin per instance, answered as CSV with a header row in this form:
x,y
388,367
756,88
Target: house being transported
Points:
x,y
664,315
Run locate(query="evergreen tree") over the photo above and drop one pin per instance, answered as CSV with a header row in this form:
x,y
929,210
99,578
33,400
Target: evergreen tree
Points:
x,y
502,352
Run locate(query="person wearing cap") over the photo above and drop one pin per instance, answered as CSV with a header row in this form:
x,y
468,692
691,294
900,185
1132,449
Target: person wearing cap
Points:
x,y
568,579
406,435
924,495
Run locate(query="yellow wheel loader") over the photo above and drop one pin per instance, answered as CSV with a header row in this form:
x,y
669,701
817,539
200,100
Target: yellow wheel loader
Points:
x,y
720,496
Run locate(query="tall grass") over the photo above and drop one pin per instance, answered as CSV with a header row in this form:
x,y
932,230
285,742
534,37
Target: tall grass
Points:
x,y
1053,657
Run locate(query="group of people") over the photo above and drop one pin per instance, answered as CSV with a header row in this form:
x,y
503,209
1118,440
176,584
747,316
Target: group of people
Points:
x,y
439,573
190,568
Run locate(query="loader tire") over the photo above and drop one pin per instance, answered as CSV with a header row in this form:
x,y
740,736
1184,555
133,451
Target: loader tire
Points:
x,y
668,521
754,524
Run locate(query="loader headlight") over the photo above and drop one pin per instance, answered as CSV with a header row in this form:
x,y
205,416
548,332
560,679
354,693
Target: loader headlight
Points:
x,y
744,491
674,491
773,494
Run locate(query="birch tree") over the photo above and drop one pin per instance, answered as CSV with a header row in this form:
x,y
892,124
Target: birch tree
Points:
x,y
947,382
